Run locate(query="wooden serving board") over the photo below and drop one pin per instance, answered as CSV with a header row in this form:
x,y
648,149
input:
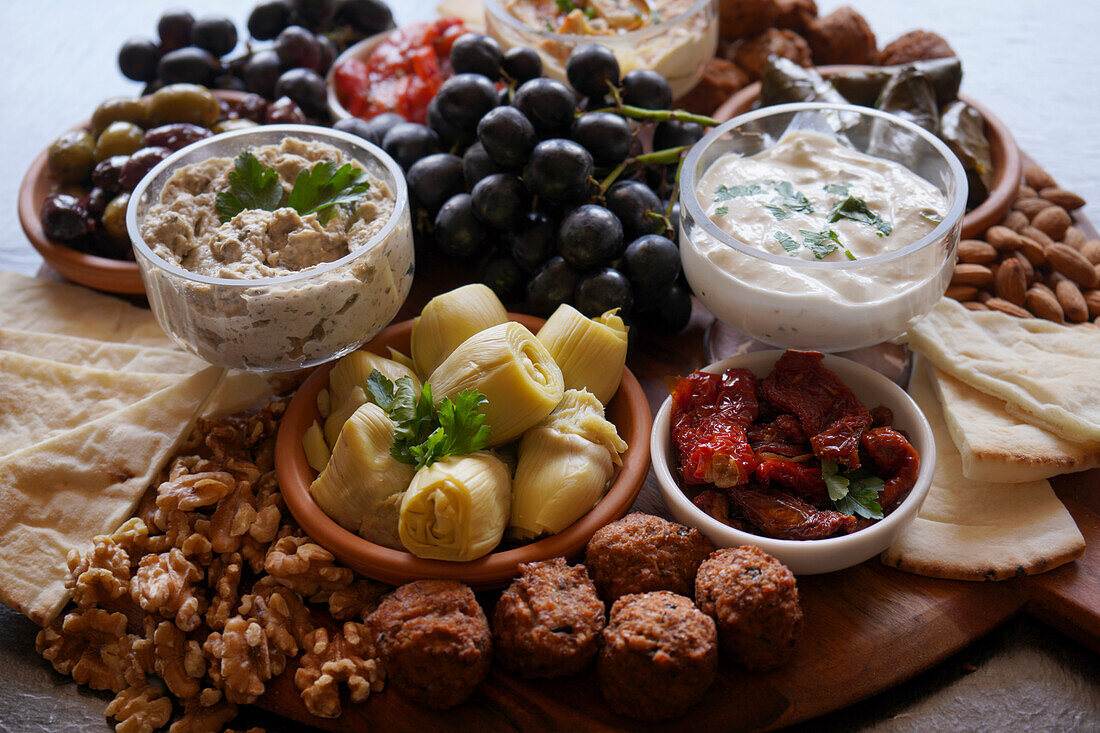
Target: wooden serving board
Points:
x,y
867,629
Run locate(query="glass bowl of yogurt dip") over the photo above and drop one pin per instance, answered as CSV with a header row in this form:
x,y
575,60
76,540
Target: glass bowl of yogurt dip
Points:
x,y
820,226
675,38
249,268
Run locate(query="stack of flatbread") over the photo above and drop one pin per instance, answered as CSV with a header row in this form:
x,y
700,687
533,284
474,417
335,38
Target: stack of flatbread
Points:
x,y
1012,402
94,399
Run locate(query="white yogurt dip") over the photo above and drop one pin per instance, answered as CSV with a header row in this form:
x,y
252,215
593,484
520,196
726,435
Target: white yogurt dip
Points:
x,y
824,207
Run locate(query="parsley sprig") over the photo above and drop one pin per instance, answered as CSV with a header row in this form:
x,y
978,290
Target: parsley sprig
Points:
x,y
788,200
424,432
821,244
854,493
857,210
317,190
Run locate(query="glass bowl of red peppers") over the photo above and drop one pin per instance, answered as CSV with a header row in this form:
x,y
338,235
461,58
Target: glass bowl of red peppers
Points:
x,y
396,71
815,459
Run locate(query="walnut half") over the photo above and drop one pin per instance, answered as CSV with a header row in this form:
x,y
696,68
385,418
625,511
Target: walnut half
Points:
x,y
346,657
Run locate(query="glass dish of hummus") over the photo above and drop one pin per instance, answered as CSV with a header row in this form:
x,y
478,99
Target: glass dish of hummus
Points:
x,y
675,38
820,226
286,283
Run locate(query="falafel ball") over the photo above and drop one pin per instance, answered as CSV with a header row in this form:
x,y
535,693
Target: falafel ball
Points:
x,y
843,37
796,15
434,641
721,80
754,599
914,46
753,54
744,18
659,655
641,553
548,622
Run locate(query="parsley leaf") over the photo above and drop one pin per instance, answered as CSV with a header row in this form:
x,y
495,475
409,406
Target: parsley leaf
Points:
x,y
251,186
778,212
837,189
821,244
857,210
749,188
835,484
324,186
794,200
722,210
854,494
424,433
788,243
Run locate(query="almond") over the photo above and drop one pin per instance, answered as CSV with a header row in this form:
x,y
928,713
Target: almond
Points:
x,y
1026,192
1015,220
1033,251
979,276
1002,305
976,252
1029,269
973,305
1044,239
1052,221
1068,200
1044,288
1002,238
1043,304
962,292
1010,282
1031,206
1074,237
1092,300
1091,251
984,296
1072,302
1072,264
1038,178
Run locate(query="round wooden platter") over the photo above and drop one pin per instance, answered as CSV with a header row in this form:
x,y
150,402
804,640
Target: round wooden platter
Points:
x,y
867,629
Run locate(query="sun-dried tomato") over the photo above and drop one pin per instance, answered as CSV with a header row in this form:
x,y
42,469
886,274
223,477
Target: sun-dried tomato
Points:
x,y
895,459
709,415
787,517
782,436
798,477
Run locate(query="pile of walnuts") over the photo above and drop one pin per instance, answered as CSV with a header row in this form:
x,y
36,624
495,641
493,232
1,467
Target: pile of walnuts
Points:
x,y
203,597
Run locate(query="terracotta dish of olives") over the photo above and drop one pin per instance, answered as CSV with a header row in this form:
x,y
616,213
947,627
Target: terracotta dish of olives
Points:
x,y
72,202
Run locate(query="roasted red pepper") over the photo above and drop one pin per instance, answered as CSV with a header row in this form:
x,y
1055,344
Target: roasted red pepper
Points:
x,y
709,415
787,517
896,461
829,412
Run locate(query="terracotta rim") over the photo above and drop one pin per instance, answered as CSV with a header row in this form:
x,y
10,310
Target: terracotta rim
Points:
x,y
100,273
1007,162
629,409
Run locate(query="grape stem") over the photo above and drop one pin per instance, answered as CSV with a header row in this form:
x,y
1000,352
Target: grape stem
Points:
x,y
659,115
667,156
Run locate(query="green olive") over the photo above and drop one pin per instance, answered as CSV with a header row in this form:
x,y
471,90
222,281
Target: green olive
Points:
x,y
229,125
120,138
114,218
72,156
119,109
184,103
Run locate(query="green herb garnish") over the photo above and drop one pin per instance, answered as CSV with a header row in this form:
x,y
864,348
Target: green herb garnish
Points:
x,y
424,432
837,189
317,190
722,210
823,243
793,200
778,212
788,243
855,493
857,210
251,186
750,188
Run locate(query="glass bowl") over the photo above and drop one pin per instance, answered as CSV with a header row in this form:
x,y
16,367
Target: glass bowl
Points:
x,y
677,47
287,322
810,304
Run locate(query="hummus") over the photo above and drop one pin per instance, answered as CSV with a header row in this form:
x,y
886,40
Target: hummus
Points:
x,y
675,38
810,199
305,307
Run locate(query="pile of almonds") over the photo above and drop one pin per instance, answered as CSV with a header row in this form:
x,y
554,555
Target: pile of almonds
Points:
x,y
1035,263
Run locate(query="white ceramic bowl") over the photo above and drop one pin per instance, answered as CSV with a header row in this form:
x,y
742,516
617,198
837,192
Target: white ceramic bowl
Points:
x,y
808,557
362,51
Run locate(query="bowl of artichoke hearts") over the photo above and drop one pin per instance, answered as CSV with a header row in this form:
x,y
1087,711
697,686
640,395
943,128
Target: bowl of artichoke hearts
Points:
x,y
466,441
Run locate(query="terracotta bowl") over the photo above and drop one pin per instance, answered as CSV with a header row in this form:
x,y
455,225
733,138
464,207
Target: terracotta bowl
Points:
x,y
1007,163
100,273
628,410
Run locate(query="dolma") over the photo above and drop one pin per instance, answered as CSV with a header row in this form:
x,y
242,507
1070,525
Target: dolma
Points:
x,y
963,129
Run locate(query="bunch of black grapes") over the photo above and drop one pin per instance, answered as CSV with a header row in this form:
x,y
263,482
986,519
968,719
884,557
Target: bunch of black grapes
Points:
x,y
307,35
558,205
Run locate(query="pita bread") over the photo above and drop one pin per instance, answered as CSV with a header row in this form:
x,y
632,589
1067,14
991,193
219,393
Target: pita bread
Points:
x,y
40,399
996,446
1047,373
979,530
60,493
34,304
99,354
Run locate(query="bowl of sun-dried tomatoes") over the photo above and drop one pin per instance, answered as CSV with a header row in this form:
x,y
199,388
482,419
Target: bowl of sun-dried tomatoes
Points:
x,y
813,458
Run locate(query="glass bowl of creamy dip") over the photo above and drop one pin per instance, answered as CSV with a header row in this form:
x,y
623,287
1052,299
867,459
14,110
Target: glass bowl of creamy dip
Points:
x,y
284,258
820,226
675,38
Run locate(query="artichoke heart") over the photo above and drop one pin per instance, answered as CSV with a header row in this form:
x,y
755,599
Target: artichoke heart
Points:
x,y
449,319
565,464
590,351
514,371
341,411
457,508
317,450
362,485
355,369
